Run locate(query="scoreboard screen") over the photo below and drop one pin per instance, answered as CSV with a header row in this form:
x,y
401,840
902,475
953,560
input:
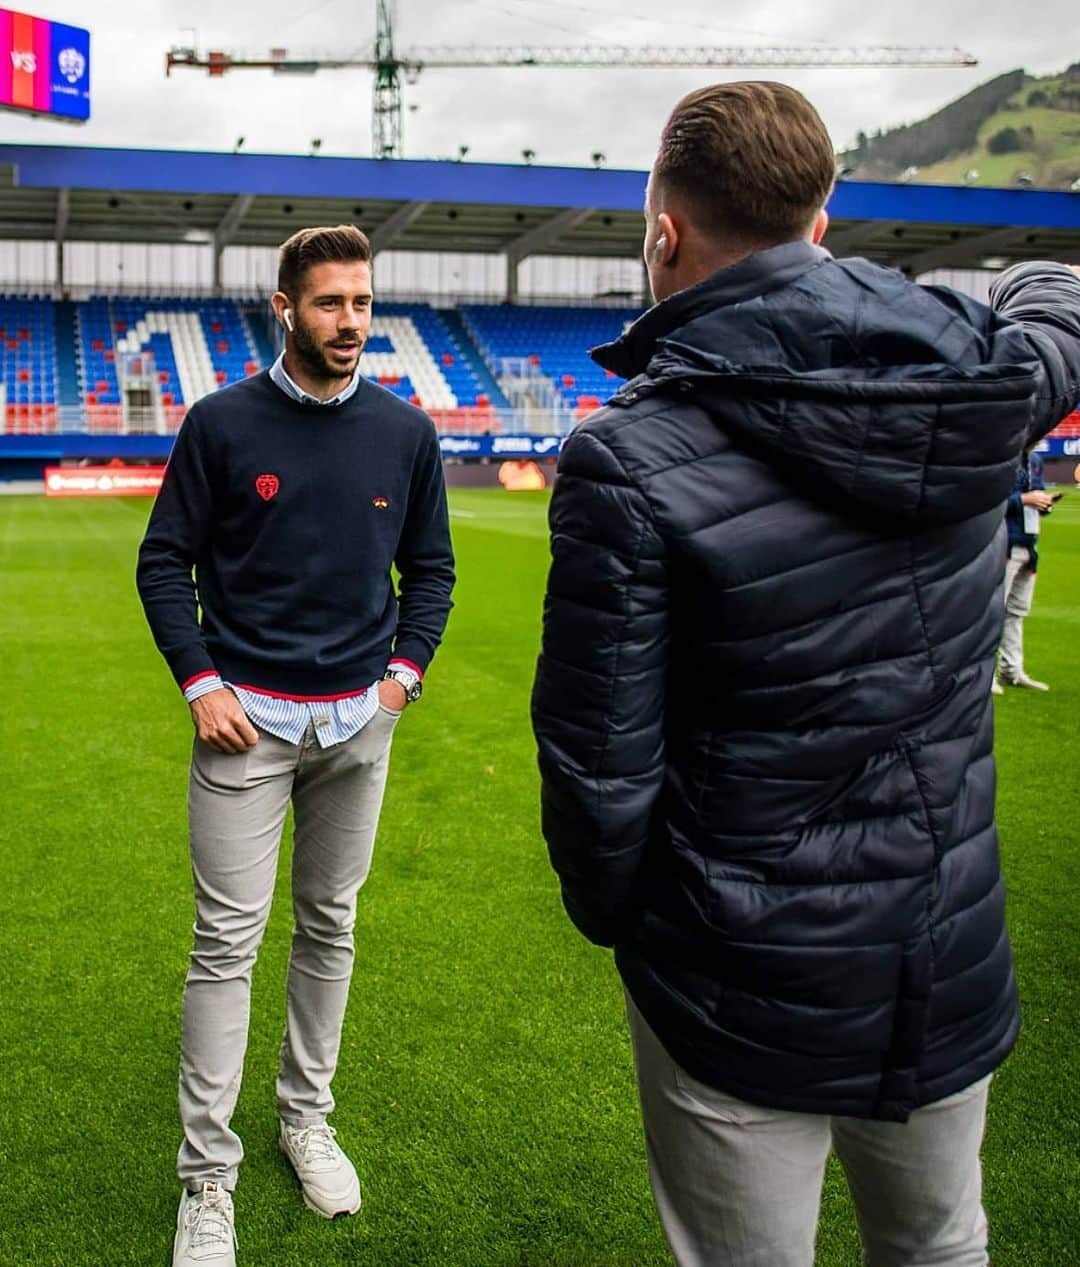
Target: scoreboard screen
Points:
x,y
44,67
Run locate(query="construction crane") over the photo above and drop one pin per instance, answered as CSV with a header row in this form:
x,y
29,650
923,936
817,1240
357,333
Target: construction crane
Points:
x,y
389,67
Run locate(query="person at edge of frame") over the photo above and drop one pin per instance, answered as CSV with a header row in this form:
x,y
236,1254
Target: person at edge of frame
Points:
x,y
763,705
291,495
1028,503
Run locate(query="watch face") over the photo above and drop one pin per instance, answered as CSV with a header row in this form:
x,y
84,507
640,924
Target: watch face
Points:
x,y
415,691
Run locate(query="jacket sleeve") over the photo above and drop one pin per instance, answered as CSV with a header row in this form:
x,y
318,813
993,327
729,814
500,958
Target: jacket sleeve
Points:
x,y
1044,298
424,560
176,538
598,698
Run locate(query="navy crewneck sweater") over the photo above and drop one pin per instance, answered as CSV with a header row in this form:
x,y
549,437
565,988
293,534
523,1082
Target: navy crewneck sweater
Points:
x,y
291,516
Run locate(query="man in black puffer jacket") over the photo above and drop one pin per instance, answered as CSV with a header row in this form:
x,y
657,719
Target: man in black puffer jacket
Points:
x,y
763,701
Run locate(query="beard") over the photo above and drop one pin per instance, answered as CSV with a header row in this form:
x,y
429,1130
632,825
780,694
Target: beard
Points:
x,y
312,355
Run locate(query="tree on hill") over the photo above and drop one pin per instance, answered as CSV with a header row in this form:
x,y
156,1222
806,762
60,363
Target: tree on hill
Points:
x,y
1009,140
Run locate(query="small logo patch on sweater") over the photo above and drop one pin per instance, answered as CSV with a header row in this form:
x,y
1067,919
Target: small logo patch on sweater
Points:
x,y
267,486
380,503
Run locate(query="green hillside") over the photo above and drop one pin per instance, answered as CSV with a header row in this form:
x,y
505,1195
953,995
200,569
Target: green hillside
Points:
x,y
1014,126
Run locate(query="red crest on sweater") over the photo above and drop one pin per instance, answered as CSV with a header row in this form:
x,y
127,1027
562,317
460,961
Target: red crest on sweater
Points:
x,y
267,486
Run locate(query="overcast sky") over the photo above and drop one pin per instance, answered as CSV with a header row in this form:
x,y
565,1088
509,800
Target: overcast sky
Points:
x,y
563,115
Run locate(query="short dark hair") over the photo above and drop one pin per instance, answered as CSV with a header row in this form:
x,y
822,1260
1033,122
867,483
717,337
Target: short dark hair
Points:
x,y
344,243
750,160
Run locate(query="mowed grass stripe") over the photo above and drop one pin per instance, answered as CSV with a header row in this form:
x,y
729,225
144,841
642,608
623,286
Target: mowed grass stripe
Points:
x,y
485,1086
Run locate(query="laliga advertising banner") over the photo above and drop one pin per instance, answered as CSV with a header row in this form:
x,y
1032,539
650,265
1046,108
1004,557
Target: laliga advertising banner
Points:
x,y
518,446
102,481
44,67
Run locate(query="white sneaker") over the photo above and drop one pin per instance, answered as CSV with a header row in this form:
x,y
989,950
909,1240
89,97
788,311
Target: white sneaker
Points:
x,y
1022,679
327,1177
205,1236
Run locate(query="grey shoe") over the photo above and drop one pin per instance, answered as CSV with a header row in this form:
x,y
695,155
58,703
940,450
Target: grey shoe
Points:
x,y
205,1235
327,1177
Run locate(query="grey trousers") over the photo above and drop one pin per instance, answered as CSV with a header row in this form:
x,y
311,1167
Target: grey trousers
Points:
x,y
1019,591
737,1185
236,811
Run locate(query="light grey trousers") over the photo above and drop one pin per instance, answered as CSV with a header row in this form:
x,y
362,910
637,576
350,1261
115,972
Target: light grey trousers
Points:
x,y
236,811
1019,591
737,1185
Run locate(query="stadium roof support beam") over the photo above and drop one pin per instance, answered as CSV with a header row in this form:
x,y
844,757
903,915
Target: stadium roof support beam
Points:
x,y
536,240
395,224
63,210
840,242
226,228
962,252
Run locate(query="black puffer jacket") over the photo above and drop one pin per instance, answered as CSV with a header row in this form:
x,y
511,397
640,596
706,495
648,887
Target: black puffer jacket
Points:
x,y
763,701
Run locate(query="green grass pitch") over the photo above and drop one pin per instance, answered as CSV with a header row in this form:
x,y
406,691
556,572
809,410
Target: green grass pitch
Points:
x,y
485,1086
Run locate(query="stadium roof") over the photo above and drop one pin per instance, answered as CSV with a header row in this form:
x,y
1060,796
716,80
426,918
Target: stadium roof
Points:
x,y
123,195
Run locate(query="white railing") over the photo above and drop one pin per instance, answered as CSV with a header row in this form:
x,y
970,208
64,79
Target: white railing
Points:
x,y
152,419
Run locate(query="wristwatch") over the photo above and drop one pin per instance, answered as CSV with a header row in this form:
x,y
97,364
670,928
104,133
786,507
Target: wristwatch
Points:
x,y
414,688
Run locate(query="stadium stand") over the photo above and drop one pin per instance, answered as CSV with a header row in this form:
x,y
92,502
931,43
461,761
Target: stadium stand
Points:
x,y
550,345
28,363
1069,427
413,352
175,349
67,365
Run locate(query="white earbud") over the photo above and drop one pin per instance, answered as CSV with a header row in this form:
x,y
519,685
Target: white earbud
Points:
x,y
286,316
659,249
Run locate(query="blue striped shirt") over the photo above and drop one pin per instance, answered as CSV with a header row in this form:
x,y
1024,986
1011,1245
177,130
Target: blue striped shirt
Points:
x,y
334,720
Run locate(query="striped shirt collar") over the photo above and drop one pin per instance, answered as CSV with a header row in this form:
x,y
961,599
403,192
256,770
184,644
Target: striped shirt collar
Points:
x,y
280,377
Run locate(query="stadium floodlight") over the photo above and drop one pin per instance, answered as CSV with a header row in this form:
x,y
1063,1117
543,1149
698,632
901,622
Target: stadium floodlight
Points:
x,y
316,144
528,155
462,151
599,158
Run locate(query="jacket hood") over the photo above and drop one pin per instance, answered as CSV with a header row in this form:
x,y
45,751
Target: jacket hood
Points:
x,y
911,401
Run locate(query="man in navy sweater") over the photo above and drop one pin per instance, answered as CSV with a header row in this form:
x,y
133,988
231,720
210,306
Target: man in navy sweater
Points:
x,y
290,495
